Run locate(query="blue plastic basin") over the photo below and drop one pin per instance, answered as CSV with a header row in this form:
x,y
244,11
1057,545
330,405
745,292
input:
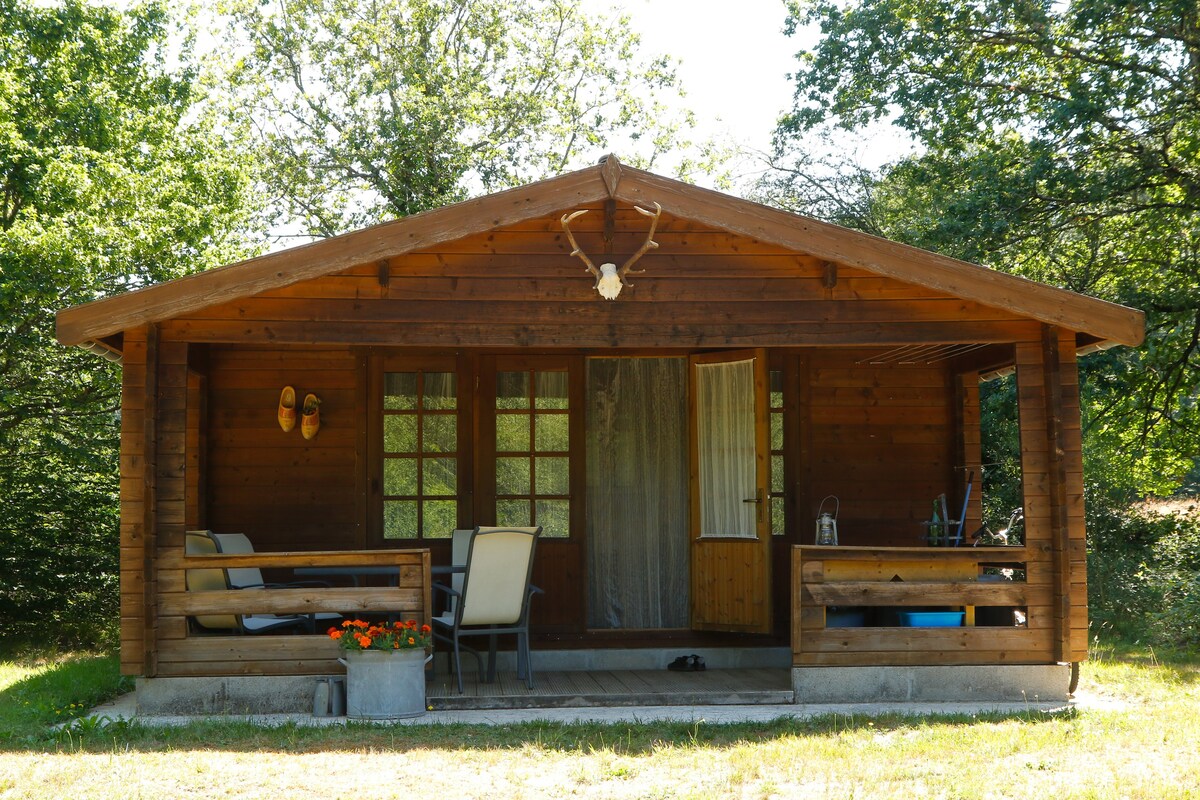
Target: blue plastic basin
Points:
x,y
931,619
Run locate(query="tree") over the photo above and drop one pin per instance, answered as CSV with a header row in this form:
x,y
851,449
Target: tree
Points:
x,y
112,178
1062,142
366,111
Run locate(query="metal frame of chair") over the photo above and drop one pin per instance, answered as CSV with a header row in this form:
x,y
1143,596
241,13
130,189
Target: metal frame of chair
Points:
x,y
489,616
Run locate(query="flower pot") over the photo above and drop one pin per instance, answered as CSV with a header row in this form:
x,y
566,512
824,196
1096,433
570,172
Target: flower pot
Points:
x,y
382,684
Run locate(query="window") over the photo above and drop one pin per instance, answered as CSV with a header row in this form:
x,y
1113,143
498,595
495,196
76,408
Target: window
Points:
x,y
420,454
777,484
533,450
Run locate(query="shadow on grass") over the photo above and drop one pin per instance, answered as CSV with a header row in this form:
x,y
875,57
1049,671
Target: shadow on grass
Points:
x,y
620,738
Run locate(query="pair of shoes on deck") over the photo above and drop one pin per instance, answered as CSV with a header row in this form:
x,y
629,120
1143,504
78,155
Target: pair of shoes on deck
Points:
x,y
692,663
310,420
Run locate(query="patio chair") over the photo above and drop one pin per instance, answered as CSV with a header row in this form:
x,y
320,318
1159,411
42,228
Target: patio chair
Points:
x,y
252,577
217,580
494,598
460,545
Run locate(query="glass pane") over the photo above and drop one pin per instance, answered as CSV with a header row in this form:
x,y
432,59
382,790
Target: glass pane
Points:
x,y
400,390
776,389
512,433
441,390
552,476
439,518
440,433
777,474
551,432
400,519
512,476
400,433
513,513
726,450
400,476
439,477
776,431
555,518
550,389
777,516
512,390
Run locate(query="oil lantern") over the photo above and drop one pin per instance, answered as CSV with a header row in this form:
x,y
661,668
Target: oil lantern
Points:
x,y
827,533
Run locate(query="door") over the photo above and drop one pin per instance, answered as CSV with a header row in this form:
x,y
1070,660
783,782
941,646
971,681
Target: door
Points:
x,y
531,471
729,523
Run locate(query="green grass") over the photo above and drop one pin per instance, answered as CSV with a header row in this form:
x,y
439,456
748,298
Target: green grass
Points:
x,y
38,692
1142,746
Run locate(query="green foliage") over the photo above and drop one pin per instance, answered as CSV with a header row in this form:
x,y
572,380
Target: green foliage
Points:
x,y
1062,143
1144,575
113,178
368,111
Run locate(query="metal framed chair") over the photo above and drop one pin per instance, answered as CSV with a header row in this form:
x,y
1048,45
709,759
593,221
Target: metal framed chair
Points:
x,y
494,598
209,543
216,580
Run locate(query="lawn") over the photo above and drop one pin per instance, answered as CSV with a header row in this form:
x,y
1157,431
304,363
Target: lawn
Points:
x,y
1144,747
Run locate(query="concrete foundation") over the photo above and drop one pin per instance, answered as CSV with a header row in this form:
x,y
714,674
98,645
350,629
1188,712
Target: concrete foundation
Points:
x,y
1016,683
242,694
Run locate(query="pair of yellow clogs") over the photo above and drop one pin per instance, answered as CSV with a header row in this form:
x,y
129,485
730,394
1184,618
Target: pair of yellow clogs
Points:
x,y
310,419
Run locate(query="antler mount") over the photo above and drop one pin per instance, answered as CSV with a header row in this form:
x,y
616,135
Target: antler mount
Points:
x,y
609,277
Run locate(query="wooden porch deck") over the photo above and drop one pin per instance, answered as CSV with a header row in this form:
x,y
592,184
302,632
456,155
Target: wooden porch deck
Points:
x,y
580,688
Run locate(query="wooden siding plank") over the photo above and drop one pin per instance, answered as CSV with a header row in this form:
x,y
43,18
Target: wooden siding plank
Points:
x,y
830,242
458,332
102,318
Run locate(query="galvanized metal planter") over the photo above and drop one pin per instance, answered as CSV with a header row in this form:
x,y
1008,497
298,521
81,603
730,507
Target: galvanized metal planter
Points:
x,y
385,685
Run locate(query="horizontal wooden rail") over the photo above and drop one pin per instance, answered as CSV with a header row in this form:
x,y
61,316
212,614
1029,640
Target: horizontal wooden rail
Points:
x,y
983,555
876,593
873,580
183,653
322,558
362,601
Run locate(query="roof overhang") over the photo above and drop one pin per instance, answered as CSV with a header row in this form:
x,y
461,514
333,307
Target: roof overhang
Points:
x,y
1099,321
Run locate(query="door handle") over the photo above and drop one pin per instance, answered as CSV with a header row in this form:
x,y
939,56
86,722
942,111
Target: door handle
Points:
x,y
758,501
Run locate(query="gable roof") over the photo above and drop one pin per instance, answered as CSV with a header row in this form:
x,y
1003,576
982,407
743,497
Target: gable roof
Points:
x,y
1107,322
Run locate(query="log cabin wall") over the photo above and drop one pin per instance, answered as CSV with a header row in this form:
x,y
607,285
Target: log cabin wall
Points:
x,y
285,492
519,286
154,434
884,442
137,590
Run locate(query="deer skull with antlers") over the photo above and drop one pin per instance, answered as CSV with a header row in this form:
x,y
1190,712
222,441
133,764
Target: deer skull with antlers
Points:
x,y
610,279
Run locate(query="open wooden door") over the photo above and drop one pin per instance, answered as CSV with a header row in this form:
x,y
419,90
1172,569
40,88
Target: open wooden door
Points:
x,y
729,520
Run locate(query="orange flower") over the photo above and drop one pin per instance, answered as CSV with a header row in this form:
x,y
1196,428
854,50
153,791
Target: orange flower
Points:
x,y
346,623
364,641
425,629
411,640
335,634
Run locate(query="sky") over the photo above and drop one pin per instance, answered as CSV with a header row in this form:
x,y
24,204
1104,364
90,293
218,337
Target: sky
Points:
x,y
734,60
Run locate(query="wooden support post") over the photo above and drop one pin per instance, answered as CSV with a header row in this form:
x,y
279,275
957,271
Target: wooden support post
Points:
x,y
797,606
610,225
150,501
1057,474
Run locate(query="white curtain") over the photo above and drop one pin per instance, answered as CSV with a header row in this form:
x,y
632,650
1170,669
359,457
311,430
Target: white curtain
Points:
x,y
725,419
637,493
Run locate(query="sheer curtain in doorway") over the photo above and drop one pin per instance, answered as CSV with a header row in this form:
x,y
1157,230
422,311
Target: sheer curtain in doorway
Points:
x,y
637,493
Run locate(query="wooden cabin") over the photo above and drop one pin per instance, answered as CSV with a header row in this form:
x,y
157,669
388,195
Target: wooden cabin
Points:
x,y
675,443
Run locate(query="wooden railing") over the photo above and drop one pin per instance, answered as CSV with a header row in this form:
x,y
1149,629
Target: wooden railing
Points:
x,y
182,652
880,583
